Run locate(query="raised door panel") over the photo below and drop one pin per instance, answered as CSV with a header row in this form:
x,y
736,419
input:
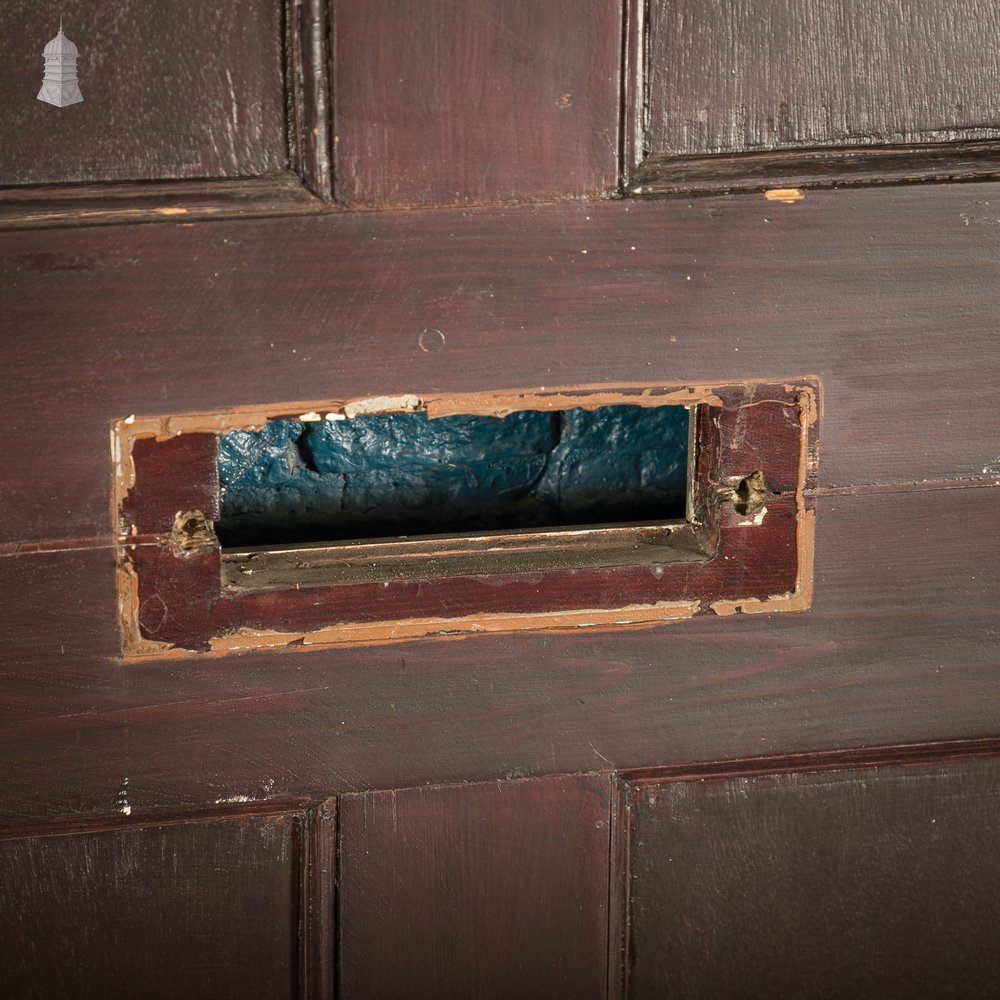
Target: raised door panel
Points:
x,y
449,103
170,91
730,76
875,882
496,890
197,910
782,94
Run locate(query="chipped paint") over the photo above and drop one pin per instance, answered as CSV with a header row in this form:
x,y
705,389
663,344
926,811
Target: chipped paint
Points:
x,y
800,599
121,799
494,404
756,521
350,634
382,404
353,634
786,196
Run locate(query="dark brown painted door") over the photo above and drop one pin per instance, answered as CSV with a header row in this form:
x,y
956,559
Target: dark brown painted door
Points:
x,y
260,204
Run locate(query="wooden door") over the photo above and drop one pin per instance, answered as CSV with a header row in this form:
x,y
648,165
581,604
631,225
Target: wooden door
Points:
x,y
783,791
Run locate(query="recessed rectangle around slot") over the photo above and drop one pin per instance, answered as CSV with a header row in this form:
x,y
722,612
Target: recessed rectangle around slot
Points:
x,y
390,517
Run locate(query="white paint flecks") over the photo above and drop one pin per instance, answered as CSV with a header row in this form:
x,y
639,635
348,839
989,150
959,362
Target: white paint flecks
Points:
x,y
267,788
122,803
382,404
758,519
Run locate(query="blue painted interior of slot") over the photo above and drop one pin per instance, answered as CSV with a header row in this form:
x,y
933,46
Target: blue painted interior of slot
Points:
x,y
396,474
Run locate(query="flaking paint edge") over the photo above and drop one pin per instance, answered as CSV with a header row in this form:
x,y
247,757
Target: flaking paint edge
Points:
x,y
384,633
799,599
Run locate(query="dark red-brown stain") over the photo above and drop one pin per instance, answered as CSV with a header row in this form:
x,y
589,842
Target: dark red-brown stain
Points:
x,y
796,804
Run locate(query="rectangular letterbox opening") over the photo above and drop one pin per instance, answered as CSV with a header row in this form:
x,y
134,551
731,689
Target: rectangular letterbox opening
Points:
x,y
402,495
391,475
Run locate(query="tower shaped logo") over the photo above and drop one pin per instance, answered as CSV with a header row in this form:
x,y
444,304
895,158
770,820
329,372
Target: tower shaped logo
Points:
x,y
59,85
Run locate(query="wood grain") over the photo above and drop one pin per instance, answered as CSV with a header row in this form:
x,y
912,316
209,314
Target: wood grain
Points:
x,y
110,204
492,891
318,934
206,909
900,646
185,90
888,296
871,882
308,85
729,76
665,174
501,100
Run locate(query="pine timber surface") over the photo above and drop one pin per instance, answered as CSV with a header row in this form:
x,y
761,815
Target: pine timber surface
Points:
x,y
498,100
875,882
901,645
889,296
492,891
730,76
893,308
170,91
207,909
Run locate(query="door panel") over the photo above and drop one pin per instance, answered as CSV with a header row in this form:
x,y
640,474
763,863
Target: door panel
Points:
x,y
200,909
492,891
474,857
732,77
499,100
180,90
877,882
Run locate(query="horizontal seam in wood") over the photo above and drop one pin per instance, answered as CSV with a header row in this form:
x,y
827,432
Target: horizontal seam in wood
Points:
x,y
892,755
156,817
924,486
49,547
